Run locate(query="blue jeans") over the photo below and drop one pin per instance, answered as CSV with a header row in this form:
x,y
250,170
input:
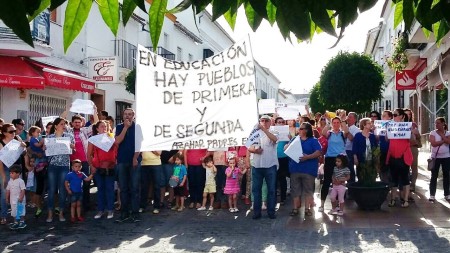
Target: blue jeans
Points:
x,y
196,177
151,173
270,175
56,177
4,213
105,192
166,173
129,179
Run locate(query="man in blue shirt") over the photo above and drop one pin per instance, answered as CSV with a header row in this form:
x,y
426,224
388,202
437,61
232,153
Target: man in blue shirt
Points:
x,y
127,168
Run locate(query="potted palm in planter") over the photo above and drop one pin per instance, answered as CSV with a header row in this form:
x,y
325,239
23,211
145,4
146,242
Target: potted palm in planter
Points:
x,y
368,193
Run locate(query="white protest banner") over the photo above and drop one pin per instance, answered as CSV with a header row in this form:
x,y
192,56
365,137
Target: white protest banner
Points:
x,y
253,137
399,130
57,146
46,120
381,127
283,132
266,106
82,106
11,152
102,141
300,108
287,113
295,150
209,103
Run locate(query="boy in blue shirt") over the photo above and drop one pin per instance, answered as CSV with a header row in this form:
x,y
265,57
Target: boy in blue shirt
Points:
x,y
73,183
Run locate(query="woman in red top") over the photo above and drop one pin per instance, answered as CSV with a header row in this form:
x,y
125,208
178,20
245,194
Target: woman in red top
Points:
x,y
400,158
102,165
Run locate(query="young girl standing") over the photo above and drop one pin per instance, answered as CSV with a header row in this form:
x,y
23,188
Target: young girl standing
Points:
x,y
232,184
210,184
341,174
180,175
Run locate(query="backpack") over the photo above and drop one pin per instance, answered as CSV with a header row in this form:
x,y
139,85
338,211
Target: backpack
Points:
x,y
342,135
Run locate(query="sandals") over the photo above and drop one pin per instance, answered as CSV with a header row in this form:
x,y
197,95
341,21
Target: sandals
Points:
x,y
308,212
391,203
294,212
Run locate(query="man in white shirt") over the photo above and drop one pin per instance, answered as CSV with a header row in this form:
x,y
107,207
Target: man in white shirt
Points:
x,y
265,163
352,131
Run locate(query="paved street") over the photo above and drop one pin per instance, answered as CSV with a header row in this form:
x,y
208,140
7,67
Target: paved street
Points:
x,y
423,227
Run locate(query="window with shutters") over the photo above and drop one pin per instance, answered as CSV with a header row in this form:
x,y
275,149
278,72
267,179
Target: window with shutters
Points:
x,y
42,106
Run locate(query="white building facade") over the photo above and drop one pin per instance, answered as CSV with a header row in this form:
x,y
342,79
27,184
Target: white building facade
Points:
x,y
429,64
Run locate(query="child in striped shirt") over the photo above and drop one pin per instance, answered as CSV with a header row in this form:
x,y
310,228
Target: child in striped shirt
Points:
x,y
341,174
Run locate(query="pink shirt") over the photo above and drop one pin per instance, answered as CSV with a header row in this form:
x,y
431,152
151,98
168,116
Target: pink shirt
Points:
x,y
79,148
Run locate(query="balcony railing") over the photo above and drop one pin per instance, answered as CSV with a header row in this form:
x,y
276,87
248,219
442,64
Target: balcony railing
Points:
x,y
8,34
126,52
163,52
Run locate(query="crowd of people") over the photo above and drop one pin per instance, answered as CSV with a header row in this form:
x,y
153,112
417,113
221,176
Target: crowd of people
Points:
x,y
334,146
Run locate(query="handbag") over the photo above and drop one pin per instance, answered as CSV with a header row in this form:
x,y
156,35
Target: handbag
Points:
x,y
432,160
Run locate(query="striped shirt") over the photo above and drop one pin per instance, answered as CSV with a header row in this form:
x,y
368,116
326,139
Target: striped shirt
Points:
x,y
338,173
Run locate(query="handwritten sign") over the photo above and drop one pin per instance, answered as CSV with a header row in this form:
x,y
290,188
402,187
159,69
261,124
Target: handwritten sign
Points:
x,y
399,130
57,146
102,141
253,137
283,132
82,106
266,106
287,113
295,150
204,104
381,127
11,152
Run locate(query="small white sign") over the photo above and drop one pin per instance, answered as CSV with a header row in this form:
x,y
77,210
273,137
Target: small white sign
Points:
x,y
46,120
381,127
11,152
83,106
253,137
102,141
295,150
283,132
399,130
103,69
287,113
57,146
266,106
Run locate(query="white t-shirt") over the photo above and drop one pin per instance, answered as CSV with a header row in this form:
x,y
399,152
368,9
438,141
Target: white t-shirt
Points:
x,y
268,157
353,130
15,187
443,150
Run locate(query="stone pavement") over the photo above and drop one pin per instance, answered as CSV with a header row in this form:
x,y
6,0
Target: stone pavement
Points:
x,y
423,227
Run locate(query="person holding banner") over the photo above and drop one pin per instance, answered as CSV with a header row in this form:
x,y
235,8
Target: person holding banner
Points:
x,y
399,158
102,164
196,174
7,134
58,168
440,140
128,168
336,146
304,173
265,168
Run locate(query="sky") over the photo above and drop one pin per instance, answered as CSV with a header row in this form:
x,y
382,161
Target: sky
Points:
x,y
298,66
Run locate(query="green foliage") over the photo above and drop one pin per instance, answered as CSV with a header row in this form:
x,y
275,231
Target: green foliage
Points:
x,y
130,82
315,102
351,81
367,171
303,19
399,60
